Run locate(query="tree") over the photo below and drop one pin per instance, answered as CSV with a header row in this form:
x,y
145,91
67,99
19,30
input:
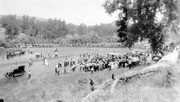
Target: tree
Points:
x,y
138,20
25,23
82,29
50,29
11,25
11,31
72,28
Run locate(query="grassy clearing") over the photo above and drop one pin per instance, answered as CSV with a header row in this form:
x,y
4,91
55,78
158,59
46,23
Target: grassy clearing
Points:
x,y
70,88
44,86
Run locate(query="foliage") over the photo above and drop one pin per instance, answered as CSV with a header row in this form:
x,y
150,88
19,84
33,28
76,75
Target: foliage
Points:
x,y
11,25
50,29
104,30
138,20
92,37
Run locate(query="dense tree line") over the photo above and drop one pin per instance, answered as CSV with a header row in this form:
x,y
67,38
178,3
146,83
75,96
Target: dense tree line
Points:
x,y
50,29
138,20
11,24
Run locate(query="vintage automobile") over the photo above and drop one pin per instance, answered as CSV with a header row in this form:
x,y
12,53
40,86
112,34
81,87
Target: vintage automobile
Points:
x,y
19,71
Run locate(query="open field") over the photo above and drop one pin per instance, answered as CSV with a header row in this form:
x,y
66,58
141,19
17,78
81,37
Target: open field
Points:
x,y
44,86
64,52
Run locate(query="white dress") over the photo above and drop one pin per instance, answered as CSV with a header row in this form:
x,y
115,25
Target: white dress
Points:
x,y
112,65
46,62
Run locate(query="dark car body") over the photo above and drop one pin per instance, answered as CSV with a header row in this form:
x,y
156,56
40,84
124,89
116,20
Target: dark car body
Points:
x,y
16,72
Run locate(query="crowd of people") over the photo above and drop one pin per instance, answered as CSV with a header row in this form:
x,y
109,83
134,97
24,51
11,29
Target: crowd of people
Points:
x,y
96,62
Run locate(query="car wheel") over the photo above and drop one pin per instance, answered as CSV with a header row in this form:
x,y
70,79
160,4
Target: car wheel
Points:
x,y
6,75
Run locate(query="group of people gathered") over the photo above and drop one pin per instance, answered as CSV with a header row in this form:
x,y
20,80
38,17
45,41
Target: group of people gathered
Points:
x,y
96,62
64,65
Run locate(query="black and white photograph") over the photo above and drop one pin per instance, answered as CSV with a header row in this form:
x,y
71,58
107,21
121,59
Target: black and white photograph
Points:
x,y
89,50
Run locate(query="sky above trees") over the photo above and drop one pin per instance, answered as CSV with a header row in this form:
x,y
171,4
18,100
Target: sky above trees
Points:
x,y
89,12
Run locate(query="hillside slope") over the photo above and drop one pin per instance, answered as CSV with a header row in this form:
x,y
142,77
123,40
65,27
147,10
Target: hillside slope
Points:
x,y
157,83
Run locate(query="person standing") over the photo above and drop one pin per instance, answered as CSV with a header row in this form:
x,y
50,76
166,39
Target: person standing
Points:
x,y
73,67
59,67
130,62
91,84
56,69
92,69
30,62
46,62
43,60
149,58
65,65
56,52
111,64
113,78
74,61
65,70
60,64
49,54
29,74
71,62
